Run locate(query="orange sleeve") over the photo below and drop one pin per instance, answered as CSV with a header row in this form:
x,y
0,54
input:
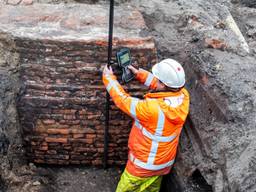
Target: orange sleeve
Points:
x,y
146,78
134,107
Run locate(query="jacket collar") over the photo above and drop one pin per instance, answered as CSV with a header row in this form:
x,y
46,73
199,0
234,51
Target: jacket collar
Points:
x,y
163,94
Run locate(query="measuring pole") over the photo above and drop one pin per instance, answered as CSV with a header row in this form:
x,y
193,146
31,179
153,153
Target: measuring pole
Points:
x,y
110,38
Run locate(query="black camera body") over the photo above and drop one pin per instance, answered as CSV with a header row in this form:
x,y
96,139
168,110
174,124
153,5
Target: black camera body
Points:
x,y
123,57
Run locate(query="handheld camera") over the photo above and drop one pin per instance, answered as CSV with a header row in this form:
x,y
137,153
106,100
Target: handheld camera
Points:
x,y
124,60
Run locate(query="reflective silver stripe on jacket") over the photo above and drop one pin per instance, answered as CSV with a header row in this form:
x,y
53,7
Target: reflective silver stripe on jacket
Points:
x,y
153,136
149,166
113,84
134,103
156,138
149,79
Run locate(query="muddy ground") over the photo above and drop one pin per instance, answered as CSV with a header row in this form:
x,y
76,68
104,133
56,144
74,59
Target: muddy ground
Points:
x,y
84,179
34,178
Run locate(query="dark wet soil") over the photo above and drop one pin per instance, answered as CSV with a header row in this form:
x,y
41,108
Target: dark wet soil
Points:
x,y
83,179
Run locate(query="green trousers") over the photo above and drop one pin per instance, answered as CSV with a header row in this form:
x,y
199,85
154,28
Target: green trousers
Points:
x,y
130,183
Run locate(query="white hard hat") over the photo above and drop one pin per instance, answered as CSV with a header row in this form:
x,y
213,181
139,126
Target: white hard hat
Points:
x,y
169,72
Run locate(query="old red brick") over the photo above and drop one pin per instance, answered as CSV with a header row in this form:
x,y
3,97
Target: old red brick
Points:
x,y
52,152
75,162
85,149
63,162
78,135
51,161
97,162
67,148
44,144
215,43
90,136
63,122
72,122
37,152
69,117
48,121
86,162
56,140
58,131
88,141
77,129
82,112
57,156
98,145
39,161
43,148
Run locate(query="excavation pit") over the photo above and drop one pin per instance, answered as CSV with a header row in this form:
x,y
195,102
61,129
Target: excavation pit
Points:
x,y
61,51
49,50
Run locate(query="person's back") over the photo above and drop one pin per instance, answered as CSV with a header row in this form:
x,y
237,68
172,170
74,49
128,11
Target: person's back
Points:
x,y
158,121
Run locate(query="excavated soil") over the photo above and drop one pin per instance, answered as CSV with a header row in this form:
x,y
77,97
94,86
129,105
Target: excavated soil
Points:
x,y
84,179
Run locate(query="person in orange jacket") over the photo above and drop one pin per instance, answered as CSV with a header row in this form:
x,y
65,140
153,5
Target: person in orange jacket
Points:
x,y
158,121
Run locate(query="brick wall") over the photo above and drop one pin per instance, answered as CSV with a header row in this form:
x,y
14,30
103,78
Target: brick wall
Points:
x,y
62,109
63,101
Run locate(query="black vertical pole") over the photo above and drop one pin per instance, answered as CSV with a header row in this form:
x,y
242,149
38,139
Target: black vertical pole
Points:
x,y
110,38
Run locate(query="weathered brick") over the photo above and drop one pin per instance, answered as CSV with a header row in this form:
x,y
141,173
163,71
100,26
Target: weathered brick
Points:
x,y
63,162
58,131
39,160
90,136
67,147
78,135
85,162
63,110
39,152
44,144
82,112
43,148
75,162
88,141
51,161
77,157
56,140
76,129
48,121
97,162
51,152
215,43
85,149
69,117
57,156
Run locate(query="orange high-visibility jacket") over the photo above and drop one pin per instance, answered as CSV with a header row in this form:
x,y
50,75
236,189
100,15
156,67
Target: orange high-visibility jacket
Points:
x,y
158,121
